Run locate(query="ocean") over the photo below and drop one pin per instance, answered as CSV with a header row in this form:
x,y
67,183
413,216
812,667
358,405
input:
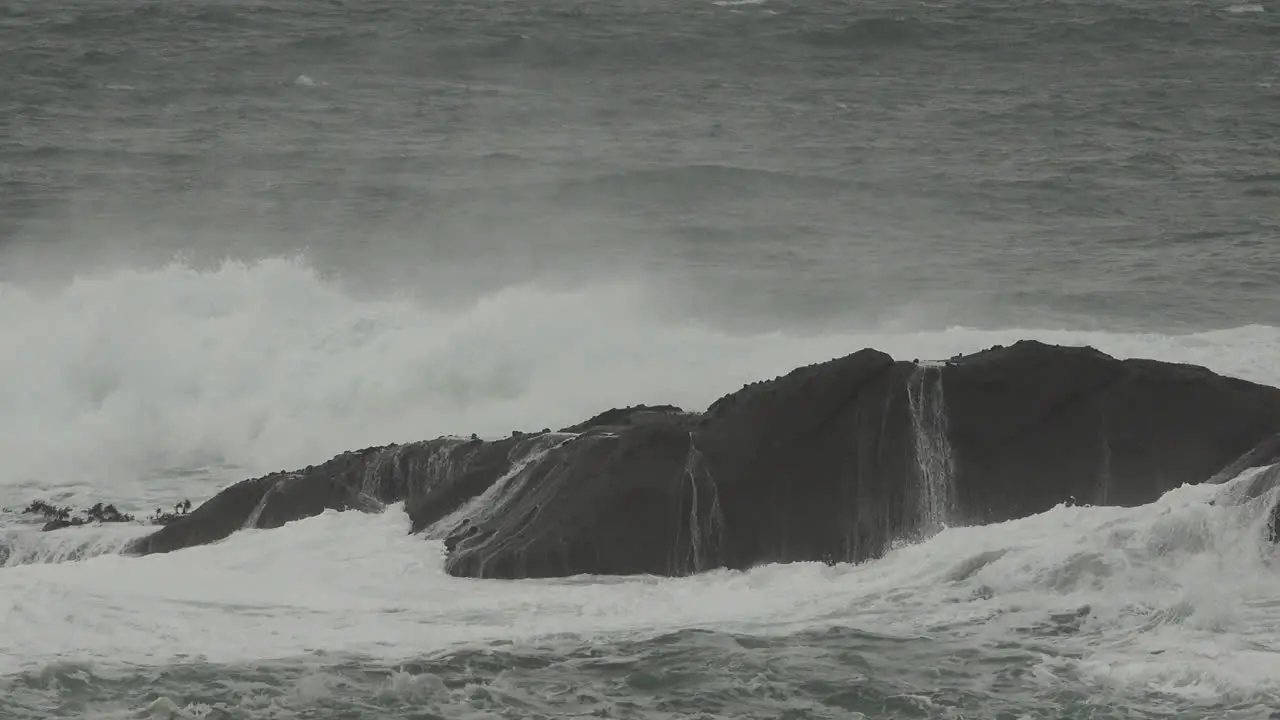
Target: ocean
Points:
x,y
241,236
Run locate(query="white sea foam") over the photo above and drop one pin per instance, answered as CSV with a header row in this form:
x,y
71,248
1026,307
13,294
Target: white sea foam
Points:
x,y
117,378
1180,596
23,544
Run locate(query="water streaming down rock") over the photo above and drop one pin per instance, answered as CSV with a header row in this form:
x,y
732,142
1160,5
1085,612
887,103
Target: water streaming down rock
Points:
x,y
251,522
700,519
935,463
524,459
606,501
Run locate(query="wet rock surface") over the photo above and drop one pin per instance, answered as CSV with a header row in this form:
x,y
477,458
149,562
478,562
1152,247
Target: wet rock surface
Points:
x,y
831,462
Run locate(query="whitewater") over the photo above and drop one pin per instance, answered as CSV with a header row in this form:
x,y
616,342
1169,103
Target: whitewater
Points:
x,y
130,378
225,372
239,238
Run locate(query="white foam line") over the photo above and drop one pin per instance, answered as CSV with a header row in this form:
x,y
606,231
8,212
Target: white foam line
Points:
x,y
1181,595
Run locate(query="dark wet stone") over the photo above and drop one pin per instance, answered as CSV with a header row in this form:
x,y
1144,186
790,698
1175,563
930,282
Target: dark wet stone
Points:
x,y
818,465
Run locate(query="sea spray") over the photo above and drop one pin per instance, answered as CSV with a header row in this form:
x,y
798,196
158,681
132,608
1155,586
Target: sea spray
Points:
x,y
26,545
248,368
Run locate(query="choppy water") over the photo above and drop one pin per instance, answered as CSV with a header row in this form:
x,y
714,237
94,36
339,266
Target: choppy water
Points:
x,y
237,237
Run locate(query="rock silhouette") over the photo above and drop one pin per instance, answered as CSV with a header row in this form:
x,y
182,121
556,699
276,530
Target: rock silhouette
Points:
x,y
831,462
57,518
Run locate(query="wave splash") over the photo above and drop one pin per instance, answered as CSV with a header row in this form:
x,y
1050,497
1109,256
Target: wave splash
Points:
x,y
27,545
130,383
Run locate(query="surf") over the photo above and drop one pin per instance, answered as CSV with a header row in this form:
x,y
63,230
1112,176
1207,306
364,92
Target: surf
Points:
x,y
128,381
1176,594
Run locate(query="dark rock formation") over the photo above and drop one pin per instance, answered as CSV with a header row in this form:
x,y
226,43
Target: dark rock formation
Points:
x,y
265,502
160,517
831,462
1034,425
434,478
57,518
626,417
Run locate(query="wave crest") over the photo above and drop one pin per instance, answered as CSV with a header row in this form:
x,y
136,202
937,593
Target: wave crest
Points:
x,y
125,376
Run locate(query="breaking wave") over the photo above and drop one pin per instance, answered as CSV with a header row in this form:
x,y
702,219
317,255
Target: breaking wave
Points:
x,y
130,380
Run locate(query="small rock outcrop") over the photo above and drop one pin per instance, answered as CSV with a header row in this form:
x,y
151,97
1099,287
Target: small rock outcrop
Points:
x,y
56,518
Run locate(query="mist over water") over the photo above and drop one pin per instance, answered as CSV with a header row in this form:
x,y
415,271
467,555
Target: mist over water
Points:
x,y
239,238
